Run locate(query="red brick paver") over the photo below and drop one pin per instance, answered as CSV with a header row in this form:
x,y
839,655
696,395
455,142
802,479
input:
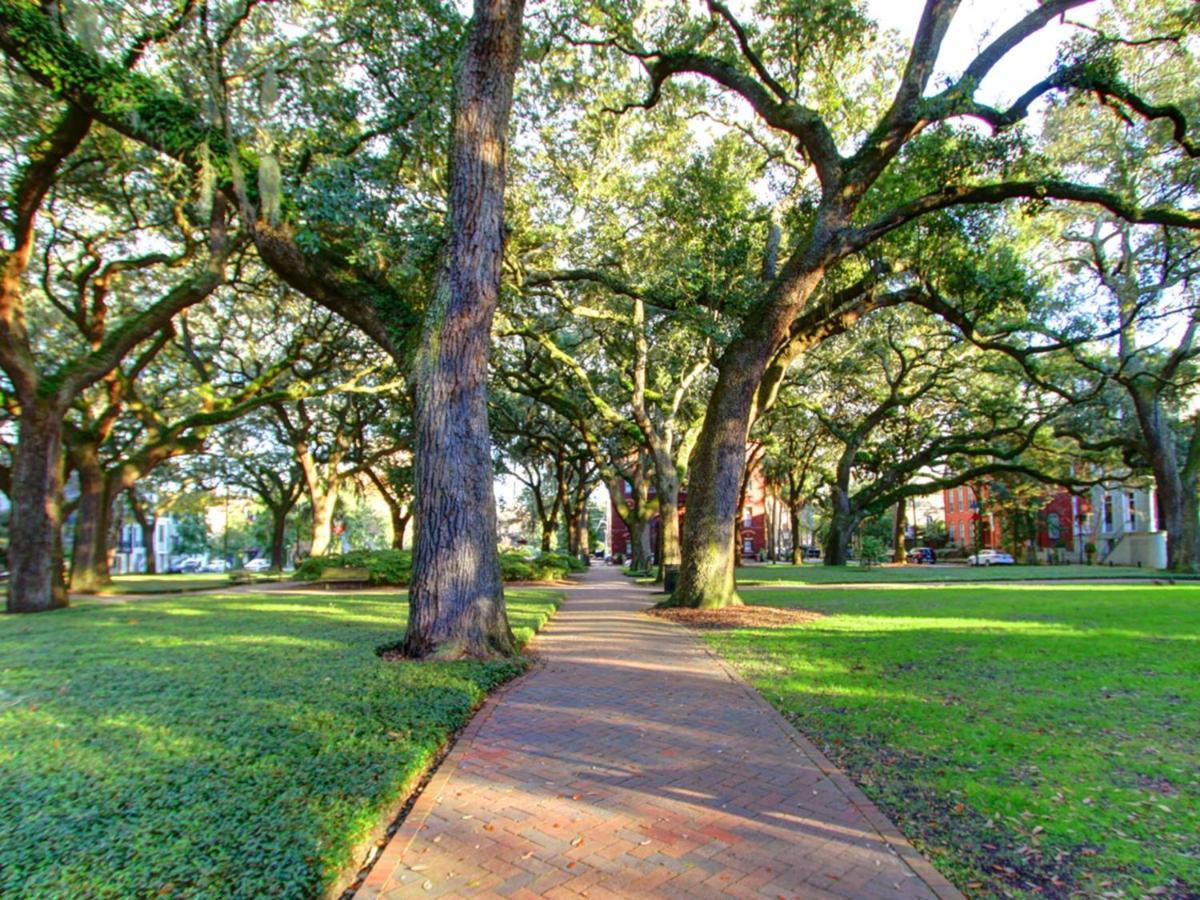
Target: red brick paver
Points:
x,y
634,763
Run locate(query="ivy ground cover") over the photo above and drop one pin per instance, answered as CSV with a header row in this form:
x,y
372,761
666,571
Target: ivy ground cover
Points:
x,y
1032,740
236,745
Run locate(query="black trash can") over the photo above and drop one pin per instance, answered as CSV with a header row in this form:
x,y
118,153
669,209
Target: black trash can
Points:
x,y
670,579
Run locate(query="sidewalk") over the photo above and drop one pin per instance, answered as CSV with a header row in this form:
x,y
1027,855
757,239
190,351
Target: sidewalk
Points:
x,y
633,763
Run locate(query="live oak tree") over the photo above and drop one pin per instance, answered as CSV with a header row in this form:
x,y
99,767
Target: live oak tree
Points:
x,y
256,463
77,301
330,429
909,157
909,408
456,598
214,364
86,64
616,448
795,462
546,454
1145,278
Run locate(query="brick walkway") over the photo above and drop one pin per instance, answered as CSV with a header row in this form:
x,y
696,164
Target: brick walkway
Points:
x,y
633,763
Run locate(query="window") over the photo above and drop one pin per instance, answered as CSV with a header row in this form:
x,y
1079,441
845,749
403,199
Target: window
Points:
x,y
748,546
1054,527
1108,511
747,519
1130,510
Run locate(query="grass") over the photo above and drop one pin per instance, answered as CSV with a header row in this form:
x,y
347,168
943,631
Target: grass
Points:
x,y
1029,739
815,573
234,745
166,584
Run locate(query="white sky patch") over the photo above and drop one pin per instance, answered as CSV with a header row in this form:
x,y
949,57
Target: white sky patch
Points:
x,y
976,24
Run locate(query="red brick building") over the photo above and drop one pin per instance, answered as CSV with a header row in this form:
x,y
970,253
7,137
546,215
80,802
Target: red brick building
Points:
x,y
752,524
1058,521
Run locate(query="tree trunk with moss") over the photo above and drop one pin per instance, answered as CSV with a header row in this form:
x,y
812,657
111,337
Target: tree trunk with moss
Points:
x,y
842,524
456,598
89,553
797,547
706,575
35,581
1176,484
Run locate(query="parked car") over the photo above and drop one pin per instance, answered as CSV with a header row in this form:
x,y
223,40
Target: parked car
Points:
x,y
991,558
922,555
186,565
258,565
216,565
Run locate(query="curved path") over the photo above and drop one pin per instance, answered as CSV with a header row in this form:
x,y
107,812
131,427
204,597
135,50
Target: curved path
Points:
x,y
632,762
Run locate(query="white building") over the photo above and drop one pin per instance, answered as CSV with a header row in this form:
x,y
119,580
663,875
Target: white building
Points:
x,y
1125,527
130,556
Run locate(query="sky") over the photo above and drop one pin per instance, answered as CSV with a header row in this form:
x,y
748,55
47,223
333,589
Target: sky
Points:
x,y
975,24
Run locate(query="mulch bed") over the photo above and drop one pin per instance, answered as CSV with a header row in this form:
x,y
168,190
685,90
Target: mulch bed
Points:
x,y
731,617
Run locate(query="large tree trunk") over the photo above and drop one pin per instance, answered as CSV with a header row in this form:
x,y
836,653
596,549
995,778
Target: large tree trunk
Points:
x,y
797,549
35,581
146,520
706,576
643,545
1177,503
89,554
899,530
399,527
278,536
583,536
456,599
668,522
841,529
323,503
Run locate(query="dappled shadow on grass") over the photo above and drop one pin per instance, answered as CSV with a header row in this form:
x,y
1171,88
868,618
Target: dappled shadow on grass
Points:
x,y
235,745
1056,714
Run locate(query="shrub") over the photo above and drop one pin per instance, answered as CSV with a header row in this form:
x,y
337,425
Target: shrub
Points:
x,y
394,567
390,567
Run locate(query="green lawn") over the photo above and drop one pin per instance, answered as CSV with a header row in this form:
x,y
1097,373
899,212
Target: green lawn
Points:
x,y
234,745
166,584
1023,736
815,573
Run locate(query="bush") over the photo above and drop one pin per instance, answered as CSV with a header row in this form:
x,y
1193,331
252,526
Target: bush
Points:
x,y
389,567
394,567
516,566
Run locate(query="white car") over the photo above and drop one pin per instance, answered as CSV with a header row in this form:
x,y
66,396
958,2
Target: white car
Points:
x,y
991,558
258,565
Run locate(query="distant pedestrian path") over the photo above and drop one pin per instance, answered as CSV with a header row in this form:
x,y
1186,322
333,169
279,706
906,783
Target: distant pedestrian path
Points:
x,y
633,763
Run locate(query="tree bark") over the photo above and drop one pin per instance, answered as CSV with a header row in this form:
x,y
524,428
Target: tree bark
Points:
x,y
706,576
797,549
399,527
146,520
841,528
1177,501
667,486
899,529
35,582
456,599
278,535
89,554
323,502
583,538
